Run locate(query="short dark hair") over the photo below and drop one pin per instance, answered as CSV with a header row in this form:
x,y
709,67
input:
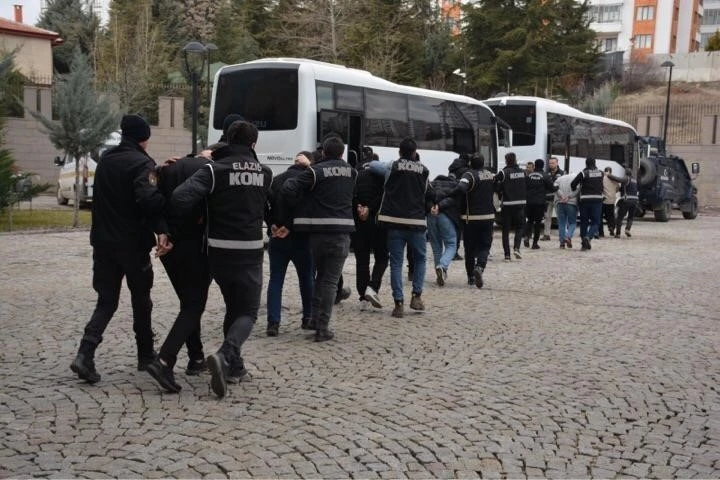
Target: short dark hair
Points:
x,y
333,147
477,161
608,170
510,159
539,164
408,147
242,133
590,162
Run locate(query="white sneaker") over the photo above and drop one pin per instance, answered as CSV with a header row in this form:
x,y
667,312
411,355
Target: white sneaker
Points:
x,y
364,305
372,297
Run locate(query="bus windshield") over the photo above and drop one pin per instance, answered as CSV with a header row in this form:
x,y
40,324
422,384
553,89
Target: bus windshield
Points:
x,y
521,117
266,97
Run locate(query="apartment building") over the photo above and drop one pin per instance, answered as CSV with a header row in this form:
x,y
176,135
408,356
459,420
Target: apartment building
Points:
x,y
639,28
710,21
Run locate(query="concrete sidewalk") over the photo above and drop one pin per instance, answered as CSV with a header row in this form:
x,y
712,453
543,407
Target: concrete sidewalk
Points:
x,y
567,364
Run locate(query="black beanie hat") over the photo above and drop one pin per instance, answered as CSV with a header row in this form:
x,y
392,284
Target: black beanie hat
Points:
x,y
135,127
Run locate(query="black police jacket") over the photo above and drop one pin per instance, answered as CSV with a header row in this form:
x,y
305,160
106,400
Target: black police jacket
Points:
x,y
478,189
235,187
591,181
327,188
408,196
537,186
127,206
512,186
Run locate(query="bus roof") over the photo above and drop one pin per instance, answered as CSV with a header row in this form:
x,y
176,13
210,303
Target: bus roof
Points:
x,y
555,107
331,72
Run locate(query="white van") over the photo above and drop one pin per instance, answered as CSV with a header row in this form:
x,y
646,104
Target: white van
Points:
x,y
66,178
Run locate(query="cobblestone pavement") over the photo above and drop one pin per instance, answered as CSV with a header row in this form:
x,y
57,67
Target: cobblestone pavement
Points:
x,y
567,364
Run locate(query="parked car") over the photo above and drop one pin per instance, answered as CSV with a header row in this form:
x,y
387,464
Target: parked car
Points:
x,y
664,183
88,163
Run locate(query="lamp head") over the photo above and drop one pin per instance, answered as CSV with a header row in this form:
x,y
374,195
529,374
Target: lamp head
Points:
x,y
194,53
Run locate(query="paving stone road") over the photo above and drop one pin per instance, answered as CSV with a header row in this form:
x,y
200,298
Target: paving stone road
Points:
x,y
566,365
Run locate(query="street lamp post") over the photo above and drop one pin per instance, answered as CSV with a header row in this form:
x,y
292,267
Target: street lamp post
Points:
x,y
209,48
509,72
194,53
667,64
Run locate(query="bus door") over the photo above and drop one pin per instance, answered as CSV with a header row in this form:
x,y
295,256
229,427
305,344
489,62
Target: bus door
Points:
x,y
348,125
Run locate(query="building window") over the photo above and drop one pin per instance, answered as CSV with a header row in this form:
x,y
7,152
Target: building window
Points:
x,y
609,45
645,13
605,13
711,17
643,41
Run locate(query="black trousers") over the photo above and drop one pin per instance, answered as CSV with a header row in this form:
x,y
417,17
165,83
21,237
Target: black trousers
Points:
x,y
608,211
513,216
329,251
241,285
534,214
189,272
369,238
478,240
625,208
110,265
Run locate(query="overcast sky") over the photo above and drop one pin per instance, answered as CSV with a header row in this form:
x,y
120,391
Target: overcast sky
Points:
x,y
31,10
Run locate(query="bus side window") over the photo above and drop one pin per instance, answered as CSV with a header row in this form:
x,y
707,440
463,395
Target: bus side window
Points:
x,y
617,154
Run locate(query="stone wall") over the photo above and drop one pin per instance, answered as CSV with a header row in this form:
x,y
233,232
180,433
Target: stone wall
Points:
x,y
33,152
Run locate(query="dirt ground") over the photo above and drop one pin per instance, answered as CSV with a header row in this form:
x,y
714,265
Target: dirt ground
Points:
x,y
686,93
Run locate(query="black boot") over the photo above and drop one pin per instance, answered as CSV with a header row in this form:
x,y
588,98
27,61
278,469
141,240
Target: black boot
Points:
x,y
84,366
163,375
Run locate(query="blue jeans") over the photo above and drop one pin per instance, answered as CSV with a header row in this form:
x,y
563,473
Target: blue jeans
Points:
x,y
417,245
590,216
282,251
566,220
442,234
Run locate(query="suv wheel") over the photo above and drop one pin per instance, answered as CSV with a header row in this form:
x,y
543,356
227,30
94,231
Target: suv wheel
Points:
x,y
60,199
662,214
691,214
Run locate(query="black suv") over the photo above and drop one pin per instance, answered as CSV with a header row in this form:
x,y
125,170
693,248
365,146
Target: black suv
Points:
x,y
664,182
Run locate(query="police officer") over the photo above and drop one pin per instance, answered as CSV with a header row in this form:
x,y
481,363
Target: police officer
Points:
x,y
235,187
127,214
510,182
478,216
628,203
590,204
327,187
408,198
187,267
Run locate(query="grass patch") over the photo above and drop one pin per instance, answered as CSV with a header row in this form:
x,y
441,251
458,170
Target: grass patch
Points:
x,y
41,219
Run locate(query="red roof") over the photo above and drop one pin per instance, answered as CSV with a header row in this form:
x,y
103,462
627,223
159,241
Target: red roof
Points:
x,y
21,30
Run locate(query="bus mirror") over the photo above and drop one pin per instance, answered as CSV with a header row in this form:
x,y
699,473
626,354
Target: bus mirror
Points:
x,y
695,168
58,161
505,137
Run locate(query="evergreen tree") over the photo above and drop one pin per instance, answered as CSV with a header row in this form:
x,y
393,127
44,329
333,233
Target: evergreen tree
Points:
x,y
134,56
713,44
234,40
78,26
547,43
86,118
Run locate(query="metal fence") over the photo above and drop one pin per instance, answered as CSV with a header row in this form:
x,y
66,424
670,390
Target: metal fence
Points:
x,y
685,121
